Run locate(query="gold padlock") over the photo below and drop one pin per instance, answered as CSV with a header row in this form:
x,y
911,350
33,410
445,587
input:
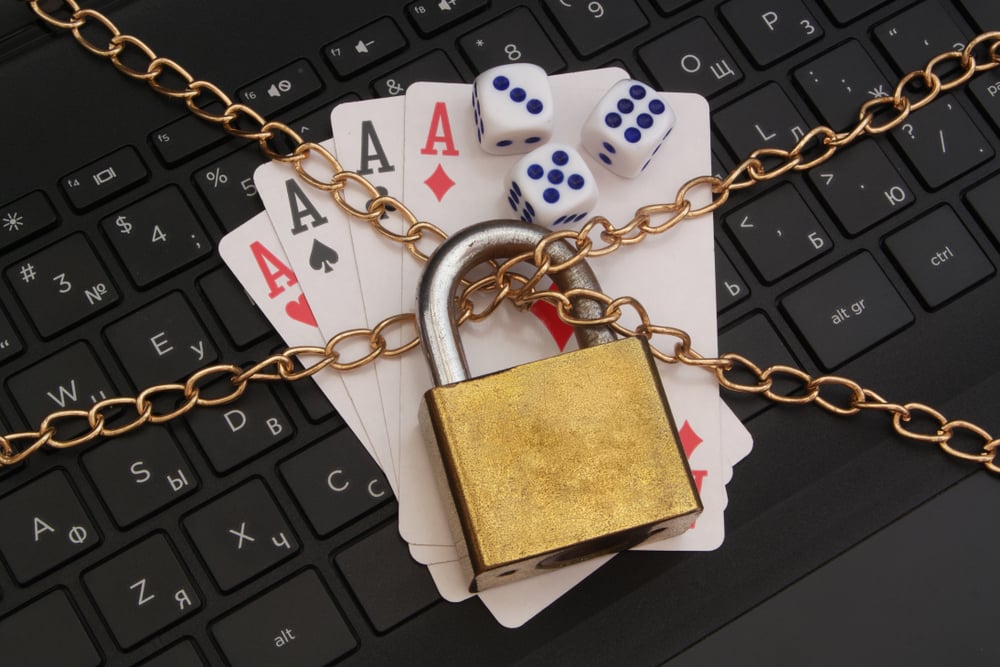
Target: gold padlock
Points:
x,y
556,461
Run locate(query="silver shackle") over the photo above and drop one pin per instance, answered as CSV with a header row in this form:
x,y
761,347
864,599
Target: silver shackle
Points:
x,y
437,320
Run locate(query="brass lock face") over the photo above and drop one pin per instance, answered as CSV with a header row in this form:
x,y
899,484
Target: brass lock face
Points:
x,y
552,462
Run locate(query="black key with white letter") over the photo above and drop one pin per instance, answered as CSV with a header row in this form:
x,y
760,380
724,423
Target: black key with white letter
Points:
x,y
691,59
840,81
939,256
335,481
916,35
140,473
25,217
771,29
241,534
142,590
71,379
62,285
162,342
764,118
861,187
43,524
240,431
593,27
942,142
156,236
365,47
778,232
730,288
294,623
104,178
515,36
847,310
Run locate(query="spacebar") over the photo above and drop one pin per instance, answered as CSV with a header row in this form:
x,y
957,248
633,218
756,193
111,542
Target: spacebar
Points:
x,y
847,310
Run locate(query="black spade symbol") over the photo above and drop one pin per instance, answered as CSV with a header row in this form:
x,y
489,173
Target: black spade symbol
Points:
x,y
323,257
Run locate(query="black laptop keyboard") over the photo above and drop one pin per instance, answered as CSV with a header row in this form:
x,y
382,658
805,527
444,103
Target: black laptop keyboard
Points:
x,y
180,543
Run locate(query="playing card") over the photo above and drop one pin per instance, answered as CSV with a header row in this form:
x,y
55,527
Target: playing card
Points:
x,y
369,139
254,255
317,238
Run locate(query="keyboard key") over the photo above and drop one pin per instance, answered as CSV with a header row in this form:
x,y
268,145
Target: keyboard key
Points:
x,y
755,339
671,6
240,317
241,534
237,433
48,631
71,379
515,36
592,28
10,342
156,236
690,59
294,623
390,585
433,66
765,118
142,590
104,178
162,342
985,89
984,199
861,187
335,481
938,256
62,285
847,310
845,11
43,524
365,47
840,81
431,16
985,13
913,37
730,288
771,29
183,653
942,142
186,137
777,232
140,473
227,186
25,218
281,89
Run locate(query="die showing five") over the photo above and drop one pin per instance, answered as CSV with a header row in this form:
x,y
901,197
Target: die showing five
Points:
x,y
551,186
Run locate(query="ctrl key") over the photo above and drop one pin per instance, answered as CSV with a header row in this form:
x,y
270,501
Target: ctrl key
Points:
x,y
847,310
294,623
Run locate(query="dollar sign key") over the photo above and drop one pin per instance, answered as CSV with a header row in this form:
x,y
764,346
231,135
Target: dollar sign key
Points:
x,y
123,224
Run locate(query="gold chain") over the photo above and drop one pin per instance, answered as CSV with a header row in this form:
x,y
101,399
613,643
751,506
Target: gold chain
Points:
x,y
597,238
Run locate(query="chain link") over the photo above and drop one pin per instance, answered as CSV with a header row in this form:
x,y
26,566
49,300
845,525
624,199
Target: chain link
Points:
x,y
597,238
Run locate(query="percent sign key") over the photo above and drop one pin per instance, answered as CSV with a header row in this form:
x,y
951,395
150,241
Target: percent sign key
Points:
x,y
227,186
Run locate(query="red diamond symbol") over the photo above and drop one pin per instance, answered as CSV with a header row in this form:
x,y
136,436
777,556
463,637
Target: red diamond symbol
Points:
x,y
439,182
689,439
549,316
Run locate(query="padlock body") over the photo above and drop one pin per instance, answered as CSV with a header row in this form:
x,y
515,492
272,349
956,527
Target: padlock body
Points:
x,y
557,461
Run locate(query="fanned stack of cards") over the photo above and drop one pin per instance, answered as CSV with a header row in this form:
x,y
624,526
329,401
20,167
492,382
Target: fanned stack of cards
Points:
x,y
315,272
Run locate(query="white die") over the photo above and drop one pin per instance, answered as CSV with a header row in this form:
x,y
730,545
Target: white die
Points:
x,y
551,186
627,127
512,108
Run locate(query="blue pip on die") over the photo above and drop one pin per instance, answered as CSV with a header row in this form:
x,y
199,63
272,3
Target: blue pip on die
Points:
x,y
627,127
551,185
512,108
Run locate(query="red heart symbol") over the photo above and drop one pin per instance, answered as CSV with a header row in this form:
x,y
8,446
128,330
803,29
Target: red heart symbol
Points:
x,y
299,310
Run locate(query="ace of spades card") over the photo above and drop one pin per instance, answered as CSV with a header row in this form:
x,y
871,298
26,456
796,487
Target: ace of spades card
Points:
x,y
317,238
